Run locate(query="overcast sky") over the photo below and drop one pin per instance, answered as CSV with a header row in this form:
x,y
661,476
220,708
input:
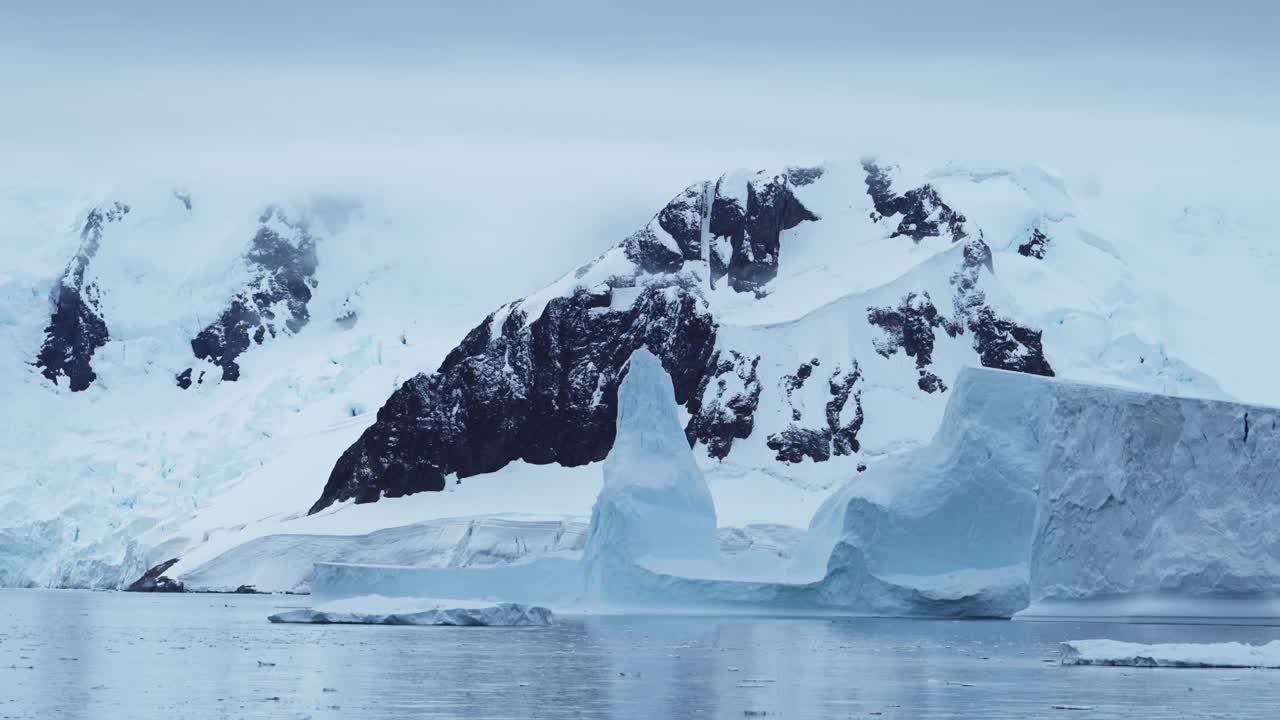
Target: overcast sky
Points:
x,y
602,110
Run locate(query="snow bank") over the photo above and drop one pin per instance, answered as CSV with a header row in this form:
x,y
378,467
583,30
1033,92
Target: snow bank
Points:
x,y
379,610
1175,655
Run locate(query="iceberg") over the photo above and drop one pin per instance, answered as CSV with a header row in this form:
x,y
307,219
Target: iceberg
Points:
x,y
1153,507
1103,503
654,507
380,610
1173,655
1038,497
653,543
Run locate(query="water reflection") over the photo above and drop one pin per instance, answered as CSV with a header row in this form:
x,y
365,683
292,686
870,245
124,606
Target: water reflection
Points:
x,y
101,655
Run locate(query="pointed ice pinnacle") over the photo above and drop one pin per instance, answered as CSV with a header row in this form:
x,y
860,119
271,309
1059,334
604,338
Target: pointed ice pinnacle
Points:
x,y
655,503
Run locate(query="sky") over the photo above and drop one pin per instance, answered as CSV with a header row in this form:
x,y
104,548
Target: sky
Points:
x,y
550,129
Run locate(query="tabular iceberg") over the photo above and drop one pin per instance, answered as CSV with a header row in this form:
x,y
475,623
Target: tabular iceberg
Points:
x,y
1153,506
1119,504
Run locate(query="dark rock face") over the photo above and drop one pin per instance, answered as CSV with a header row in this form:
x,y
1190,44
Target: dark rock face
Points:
x,y
754,232
542,391
154,580
1000,343
539,383
682,220
282,265
744,224
646,250
1035,246
910,327
837,431
1004,344
76,327
923,212
724,405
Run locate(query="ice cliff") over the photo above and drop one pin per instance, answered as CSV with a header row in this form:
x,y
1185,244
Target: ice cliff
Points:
x,y
1155,506
1119,504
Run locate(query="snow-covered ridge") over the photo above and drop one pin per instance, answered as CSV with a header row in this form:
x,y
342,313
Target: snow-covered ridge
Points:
x,y
98,486
884,289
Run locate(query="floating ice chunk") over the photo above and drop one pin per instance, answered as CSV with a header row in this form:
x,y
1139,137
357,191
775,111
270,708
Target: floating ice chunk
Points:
x,y
1174,655
381,610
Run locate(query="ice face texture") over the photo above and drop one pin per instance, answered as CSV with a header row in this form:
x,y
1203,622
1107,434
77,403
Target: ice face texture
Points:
x,y
1121,503
1155,497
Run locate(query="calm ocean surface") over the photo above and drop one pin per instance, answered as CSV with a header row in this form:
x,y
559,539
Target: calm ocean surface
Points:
x,y
69,654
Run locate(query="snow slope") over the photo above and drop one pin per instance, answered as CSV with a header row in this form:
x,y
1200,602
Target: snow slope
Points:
x,y
98,485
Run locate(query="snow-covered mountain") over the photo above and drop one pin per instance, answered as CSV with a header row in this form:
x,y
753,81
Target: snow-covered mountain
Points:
x,y
199,375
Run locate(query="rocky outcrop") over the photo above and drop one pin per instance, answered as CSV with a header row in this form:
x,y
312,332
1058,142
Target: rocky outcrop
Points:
x,y
913,324
76,327
836,432
540,384
155,580
1035,246
538,389
281,261
910,327
723,408
921,211
753,231
537,380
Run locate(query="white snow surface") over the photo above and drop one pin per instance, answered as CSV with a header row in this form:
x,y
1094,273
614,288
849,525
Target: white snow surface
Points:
x,y
379,610
96,487
1171,655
